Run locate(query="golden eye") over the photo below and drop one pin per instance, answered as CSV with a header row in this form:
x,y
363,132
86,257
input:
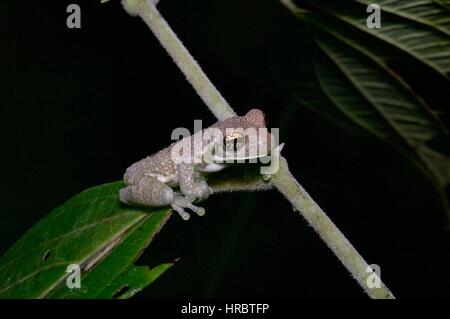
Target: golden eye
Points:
x,y
233,142
233,135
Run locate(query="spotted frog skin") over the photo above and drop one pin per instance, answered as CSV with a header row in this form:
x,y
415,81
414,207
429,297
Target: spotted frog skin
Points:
x,y
179,179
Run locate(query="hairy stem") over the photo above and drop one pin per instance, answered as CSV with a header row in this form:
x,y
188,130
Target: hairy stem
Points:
x,y
330,234
181,56
283,179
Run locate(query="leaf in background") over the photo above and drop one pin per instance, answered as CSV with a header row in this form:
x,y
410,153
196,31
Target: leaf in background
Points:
x,y
352,69
378,101
92,230
304,87
425,12
444,3
411,32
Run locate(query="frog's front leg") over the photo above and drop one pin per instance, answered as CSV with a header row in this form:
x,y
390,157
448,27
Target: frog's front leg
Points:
x,y
192,185
181,202
192,188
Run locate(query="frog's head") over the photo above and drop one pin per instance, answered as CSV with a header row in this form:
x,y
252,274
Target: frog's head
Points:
x,y
243,138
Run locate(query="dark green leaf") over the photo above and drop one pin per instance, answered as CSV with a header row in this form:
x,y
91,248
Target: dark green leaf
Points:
x,y
93,230
425,12
443,3
421,34
354,72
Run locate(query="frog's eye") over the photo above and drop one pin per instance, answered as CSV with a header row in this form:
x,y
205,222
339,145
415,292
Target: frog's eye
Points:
x,y
233,142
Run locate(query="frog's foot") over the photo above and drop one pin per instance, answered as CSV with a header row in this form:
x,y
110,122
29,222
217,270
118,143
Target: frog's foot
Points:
x,y
198,192
182,202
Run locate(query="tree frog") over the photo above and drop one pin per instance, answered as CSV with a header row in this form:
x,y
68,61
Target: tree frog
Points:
x,y
177,176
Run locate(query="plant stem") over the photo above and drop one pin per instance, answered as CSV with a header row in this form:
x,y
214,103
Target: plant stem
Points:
x,y
181,56
327,230
283,179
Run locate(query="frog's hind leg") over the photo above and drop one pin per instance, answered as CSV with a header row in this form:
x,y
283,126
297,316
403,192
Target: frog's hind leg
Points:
x,y
148,191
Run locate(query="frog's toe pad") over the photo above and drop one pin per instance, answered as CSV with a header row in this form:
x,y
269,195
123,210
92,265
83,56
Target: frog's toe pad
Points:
x,y
180,210
181,202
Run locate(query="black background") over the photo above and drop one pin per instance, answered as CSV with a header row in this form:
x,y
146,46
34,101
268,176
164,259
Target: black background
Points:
x,y
79,106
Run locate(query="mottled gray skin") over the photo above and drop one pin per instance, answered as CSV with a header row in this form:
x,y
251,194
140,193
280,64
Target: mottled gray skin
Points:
x,y
169,178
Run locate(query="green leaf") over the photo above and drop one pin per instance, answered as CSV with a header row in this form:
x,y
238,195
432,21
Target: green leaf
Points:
x,y
93,230
133,279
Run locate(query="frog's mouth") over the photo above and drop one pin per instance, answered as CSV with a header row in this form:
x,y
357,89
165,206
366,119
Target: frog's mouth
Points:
x,y
232,157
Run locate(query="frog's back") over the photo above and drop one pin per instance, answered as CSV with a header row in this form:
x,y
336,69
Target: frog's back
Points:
x,y
159,165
